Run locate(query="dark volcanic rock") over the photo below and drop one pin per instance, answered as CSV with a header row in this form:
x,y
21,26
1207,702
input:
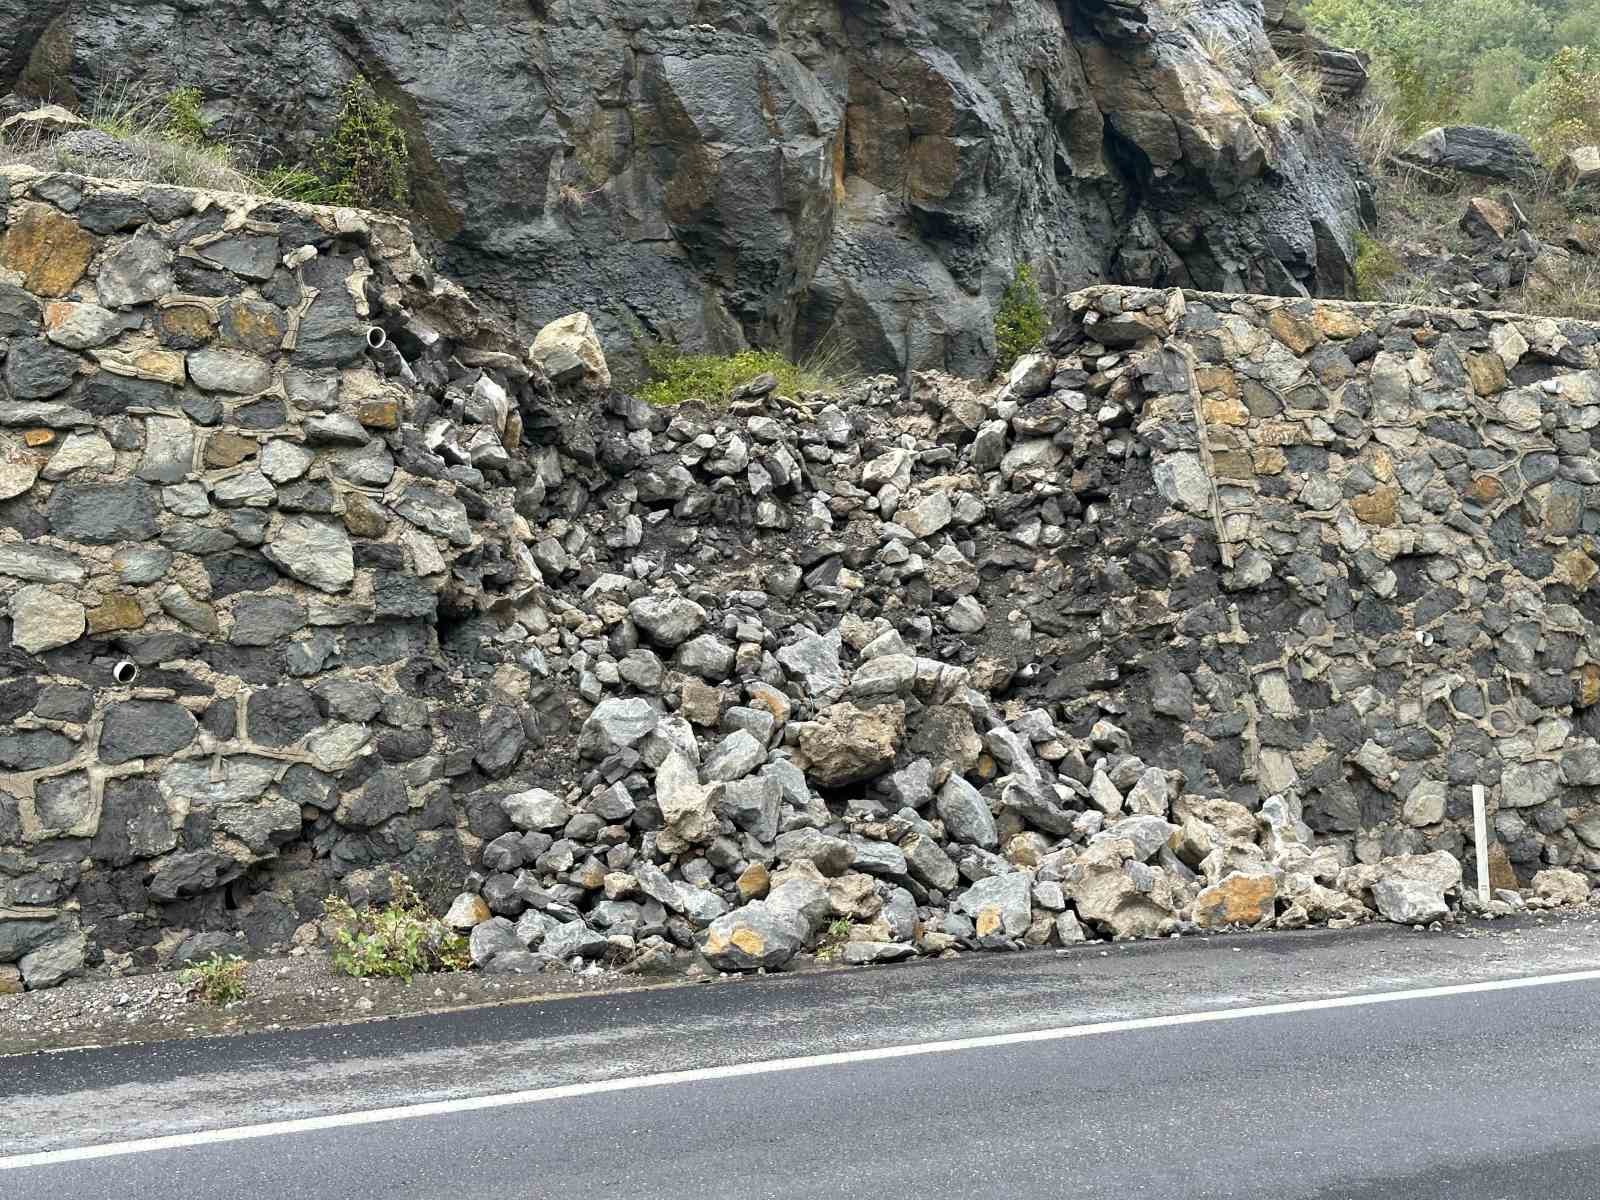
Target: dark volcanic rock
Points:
x,y
791,174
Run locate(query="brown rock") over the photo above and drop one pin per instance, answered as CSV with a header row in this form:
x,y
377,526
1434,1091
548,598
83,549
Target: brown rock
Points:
x,y
1487,372
1501,873
1378,507
47,248
1488,218
701,703
253,325
754,882
1224,410
229,449
1240,898
1216,381
1025,849
1485,489
1268,460
142,362
364,517
1578,567
379,414
848,745
1335,322
1233,464
764,695
1588,685
119,611
1294,332
184,326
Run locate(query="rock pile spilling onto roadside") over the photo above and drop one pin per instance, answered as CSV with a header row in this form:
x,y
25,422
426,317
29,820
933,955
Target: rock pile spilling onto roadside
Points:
x,y
1212,616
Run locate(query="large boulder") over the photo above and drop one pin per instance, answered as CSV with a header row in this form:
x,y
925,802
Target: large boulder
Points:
x,y
1409,901
1239,898
1408,888
847,745
1561,887
1579,168
768,933
1124,898
1475,150
569,351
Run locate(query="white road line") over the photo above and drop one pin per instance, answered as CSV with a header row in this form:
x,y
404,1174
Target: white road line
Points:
x,y
411,1112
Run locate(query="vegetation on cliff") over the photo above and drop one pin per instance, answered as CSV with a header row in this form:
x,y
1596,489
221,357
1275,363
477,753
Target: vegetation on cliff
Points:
x,y
1532,66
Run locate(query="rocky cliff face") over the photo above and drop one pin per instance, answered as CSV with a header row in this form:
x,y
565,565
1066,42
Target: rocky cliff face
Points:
x,y
794,173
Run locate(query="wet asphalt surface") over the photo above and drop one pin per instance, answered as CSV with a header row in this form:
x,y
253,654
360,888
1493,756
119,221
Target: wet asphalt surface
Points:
x,y
1482,1095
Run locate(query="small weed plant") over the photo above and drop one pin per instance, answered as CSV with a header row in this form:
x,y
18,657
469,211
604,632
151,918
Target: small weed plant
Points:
x,y
364,162
217,981
1375,266
833,940
1020,322
180,117
397,940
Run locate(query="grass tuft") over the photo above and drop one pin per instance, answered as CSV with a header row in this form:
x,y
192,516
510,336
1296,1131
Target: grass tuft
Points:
x,y
679,378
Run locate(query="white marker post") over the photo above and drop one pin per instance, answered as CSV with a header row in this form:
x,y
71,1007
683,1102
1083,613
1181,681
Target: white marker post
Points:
x,y
1480,835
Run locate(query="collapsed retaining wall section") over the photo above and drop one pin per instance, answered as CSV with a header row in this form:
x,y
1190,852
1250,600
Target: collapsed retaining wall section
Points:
x,y
1211,616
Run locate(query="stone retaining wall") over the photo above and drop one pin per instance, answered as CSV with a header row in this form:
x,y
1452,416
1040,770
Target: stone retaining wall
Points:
x,y
1386,523
1211,615
229,533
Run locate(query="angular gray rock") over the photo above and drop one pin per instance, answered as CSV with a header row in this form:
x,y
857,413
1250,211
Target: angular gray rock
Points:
x,y
143,728
668,621
102,513
536,809
966,814
312,551
1475,150
1001,904
617,724
767,933
1409,901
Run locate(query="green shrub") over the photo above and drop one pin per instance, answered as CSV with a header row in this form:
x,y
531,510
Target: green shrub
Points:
x,y
365,162
397,940
216,981
1376,264
1561,111
180,117
1020,323
676,377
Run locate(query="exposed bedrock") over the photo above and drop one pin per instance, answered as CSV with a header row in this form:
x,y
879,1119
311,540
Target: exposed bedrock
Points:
x,y
861,176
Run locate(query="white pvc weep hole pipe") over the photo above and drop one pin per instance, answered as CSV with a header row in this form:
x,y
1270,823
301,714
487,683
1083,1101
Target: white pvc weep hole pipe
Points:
x,y
1480,836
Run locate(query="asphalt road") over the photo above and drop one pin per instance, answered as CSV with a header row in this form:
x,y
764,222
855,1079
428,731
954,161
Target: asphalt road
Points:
x,y
1475,1094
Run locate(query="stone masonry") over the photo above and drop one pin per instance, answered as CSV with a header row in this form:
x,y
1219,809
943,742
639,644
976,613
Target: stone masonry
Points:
x,y
1211,616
